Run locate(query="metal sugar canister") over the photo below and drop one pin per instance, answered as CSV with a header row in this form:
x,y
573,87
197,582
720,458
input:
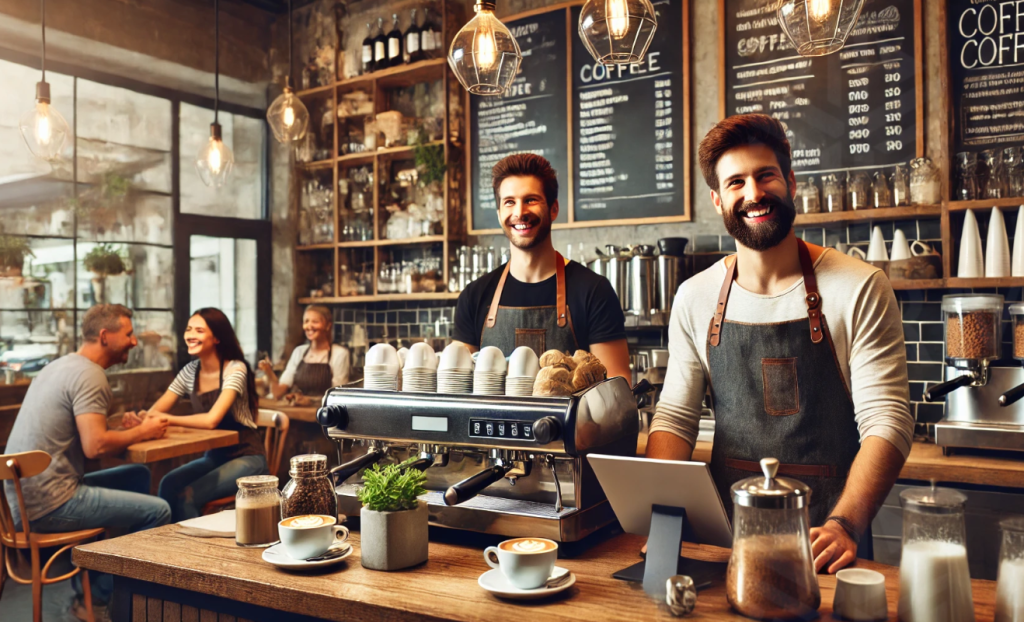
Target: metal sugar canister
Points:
x,y
310,489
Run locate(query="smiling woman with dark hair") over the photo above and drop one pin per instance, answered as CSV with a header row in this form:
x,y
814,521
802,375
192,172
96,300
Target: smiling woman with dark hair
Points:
x,y
222,389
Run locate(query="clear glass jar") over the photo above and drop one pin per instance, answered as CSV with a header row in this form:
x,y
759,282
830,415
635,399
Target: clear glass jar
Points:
x,y
832,194
807,199
900,187
967,176
994,181
924,182
880,194
771,571
1009,595
935,581
858,191
257,511
973,326
1017,321
310,489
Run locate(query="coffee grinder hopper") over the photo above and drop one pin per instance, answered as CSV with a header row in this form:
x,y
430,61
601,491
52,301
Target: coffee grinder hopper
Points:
x,y
973,325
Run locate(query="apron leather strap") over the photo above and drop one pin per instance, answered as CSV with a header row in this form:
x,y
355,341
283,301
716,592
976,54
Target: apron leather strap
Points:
x,y
723,298
563,318
812,297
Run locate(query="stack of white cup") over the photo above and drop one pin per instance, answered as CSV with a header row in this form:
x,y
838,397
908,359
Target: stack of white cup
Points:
x,y
489,376
455,370
420,372
381,369
523,367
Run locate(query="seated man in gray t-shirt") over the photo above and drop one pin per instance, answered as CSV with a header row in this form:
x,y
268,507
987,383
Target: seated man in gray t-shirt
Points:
x,y
65,414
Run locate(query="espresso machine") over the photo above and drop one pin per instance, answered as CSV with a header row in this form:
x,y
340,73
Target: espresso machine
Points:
x,y
513,466
983,410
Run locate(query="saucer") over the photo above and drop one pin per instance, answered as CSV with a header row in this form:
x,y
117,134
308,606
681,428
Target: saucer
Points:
x,y
496,583
277,556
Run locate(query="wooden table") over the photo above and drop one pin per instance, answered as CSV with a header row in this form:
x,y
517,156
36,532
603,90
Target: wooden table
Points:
x,y
163,575
178,442
295,413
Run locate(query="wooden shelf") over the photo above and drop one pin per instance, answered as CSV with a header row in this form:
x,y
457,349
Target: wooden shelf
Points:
x,y
318,165
426,239
380,298
402,75
900,284
957,206
357,244
1013,281
317,90
882,213
406,150
362,156
316,247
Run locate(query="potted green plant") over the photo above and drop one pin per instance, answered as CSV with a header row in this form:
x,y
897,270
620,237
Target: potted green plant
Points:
x,y
13,251
393,521
104,261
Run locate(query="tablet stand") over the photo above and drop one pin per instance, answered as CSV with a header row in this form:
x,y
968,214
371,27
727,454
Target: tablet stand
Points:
x,y
665,539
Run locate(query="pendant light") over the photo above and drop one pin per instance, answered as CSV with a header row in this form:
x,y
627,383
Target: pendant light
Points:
x,y
43,128
484,55
818,27
288,116
215,159
617,32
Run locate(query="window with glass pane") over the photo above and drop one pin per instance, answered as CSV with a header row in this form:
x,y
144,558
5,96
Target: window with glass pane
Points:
x,y
223,275
242,194
31,339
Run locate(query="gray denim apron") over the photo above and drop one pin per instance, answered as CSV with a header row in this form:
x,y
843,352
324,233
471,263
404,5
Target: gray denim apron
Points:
x,y
249,443
314,378
777,391
540,328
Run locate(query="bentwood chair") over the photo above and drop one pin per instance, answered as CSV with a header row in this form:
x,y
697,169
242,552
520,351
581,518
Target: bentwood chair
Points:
x,y
276,424
15,467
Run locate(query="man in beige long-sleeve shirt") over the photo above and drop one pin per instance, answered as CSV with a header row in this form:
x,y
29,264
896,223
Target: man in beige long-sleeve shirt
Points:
x,y
803,351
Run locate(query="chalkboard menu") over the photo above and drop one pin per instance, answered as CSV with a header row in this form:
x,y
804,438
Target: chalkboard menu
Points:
x,y
628,147
530,117
853,109
986,54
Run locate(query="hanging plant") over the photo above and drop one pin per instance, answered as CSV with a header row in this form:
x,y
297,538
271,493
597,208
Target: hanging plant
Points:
x,y
13,250
429,161
105,260
115,186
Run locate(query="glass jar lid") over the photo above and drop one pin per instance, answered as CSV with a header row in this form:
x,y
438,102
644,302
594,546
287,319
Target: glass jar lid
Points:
x,y
770,492
307,464
965,303
257,481
1017,308
933,500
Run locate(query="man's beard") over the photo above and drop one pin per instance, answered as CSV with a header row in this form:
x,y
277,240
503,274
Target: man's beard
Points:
x,y
543,233
768,234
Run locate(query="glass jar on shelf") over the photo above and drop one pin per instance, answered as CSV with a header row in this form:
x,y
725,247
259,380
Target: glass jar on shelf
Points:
x,y
832,194
858,189
925,186
1014,168
807,198
880,194
994,180
967,176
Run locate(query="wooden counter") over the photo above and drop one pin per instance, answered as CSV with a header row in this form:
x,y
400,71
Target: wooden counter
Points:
x,y
163,572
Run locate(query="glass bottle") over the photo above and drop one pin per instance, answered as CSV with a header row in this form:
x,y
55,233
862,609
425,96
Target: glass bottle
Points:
x,y
310,489
367,58
881,197
380,47
994,181
1014,171
832,193
1009,596
967,179
935,581
257,511
413,53
394,43
858,191
807,198
771,571
430,39
900,186
924,182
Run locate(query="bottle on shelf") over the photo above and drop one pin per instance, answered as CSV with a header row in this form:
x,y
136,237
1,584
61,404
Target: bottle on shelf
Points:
x,y
430,37
368,63
413,51
380,47
394,43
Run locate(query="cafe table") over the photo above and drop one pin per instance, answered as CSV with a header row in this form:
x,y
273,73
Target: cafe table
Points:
x,y
305,414
163,575
177,442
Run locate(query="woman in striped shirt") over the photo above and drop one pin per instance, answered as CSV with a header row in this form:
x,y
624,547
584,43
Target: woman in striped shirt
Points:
x,y
222,389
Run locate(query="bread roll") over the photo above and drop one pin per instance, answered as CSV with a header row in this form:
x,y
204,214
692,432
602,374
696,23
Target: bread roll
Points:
x,y
551,388
556,374
588,373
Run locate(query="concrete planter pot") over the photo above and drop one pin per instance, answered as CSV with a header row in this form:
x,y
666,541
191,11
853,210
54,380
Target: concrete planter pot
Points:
x,y
393,540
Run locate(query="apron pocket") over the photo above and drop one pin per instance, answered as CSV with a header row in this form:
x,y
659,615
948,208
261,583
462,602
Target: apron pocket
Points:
x,y
533,338
781,389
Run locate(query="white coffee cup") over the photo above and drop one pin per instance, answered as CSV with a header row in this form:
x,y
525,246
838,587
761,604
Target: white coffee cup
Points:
x,y
527,563
310,535
860,595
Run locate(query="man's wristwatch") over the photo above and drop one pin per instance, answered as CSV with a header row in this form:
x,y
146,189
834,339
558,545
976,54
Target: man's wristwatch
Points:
x,y
847,526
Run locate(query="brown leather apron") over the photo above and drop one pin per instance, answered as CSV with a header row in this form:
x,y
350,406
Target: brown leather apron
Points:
x,y
540,328
314,378
249,442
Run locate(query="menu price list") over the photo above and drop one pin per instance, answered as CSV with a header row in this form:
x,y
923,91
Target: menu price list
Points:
x,y
628,128
854,109
531,117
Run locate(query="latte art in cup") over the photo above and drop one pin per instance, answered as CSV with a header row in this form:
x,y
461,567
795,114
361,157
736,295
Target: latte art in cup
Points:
x,y
308,521
527,545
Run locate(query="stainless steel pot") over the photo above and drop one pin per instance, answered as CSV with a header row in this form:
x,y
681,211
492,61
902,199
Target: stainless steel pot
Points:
x,y
643,290
618,275
669,275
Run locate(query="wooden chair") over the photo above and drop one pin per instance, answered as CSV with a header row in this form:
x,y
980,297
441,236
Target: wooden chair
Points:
x,y
14,467
276,424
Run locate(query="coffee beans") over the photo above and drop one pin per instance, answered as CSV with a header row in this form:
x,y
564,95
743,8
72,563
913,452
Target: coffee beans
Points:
x,y
972,335
308,494
1018,340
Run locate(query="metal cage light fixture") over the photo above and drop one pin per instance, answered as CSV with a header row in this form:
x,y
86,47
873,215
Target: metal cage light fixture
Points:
x,y
818,27
215,160
617,32
287,115
484,55
44,129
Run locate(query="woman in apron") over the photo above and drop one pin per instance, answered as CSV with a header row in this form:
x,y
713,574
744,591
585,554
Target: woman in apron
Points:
x,y
315,367
222,389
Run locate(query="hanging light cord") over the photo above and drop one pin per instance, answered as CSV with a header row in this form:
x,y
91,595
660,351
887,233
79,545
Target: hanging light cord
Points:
x,y
42,11
288,76
216,59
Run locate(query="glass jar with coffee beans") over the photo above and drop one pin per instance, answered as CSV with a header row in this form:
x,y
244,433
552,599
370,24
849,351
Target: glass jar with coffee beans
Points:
x,y
310,489
1017,316
973,326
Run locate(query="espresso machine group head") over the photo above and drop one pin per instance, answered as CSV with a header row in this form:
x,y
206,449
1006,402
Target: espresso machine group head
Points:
x,y
494,464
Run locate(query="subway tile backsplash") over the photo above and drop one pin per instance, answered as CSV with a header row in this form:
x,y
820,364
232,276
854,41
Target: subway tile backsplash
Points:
x,y
397,323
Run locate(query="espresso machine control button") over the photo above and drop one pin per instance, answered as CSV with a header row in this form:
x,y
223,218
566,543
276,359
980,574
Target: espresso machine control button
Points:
x,y
332,416
546,430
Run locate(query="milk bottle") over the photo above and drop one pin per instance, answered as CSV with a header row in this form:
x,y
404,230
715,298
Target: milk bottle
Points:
x,y
1010,589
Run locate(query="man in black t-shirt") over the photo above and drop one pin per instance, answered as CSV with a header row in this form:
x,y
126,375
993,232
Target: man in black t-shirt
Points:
x,y
538,299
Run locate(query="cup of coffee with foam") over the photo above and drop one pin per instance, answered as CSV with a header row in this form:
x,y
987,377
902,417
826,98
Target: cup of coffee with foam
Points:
x,y
310,535
527,563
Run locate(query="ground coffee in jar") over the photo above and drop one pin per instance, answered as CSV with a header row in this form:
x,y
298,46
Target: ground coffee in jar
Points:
x,y
973,326
310,489
1017,315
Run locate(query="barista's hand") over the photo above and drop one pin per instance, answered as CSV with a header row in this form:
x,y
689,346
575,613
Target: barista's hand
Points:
x,y
831,544
267,367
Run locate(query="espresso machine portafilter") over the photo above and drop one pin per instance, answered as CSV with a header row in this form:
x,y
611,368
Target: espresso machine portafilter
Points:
x,y
513,466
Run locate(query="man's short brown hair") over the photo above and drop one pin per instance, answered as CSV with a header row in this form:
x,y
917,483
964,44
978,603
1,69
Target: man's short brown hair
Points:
x,y
102,317
743,129
526,165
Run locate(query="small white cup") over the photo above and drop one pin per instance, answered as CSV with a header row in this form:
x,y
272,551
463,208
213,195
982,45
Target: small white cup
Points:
x,y
491,359
523,363
525,569
305,539
860,595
